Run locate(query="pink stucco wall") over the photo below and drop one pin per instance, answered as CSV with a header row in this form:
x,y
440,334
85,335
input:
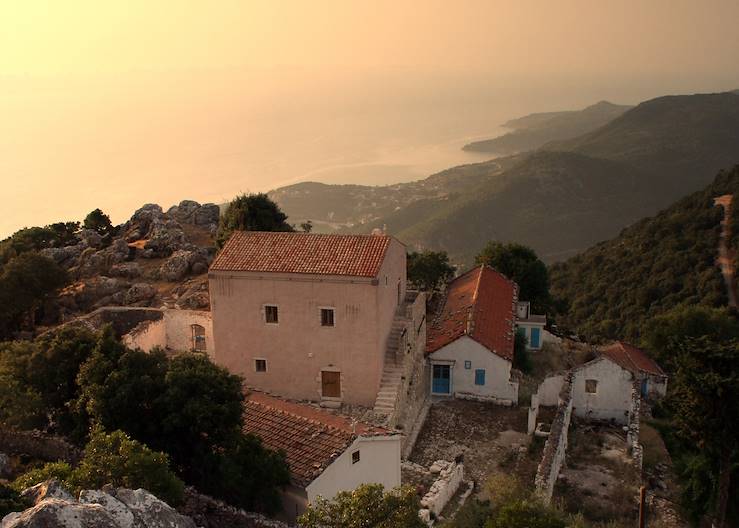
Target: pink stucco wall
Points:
x,y
298,348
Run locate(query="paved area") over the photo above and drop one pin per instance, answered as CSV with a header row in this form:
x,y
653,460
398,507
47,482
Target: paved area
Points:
x,y
488,436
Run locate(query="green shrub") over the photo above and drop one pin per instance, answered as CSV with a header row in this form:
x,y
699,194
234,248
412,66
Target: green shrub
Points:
x,y
53,470
10,501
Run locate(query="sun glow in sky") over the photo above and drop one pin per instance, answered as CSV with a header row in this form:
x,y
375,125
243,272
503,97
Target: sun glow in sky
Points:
x,y
114,104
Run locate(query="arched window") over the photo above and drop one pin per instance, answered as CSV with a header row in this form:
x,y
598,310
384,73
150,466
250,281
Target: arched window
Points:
x,y
198,338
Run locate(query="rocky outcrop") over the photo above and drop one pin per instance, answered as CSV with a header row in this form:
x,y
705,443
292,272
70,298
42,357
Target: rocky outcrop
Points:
x,y
212,513
106,508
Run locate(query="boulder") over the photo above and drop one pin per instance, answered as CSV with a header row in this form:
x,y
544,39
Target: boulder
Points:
x,y
140,291
106,508
91,238
119,511
67,256
49,489
164,238
207,215
149,511
146,214
57,512
127,270
175,268
184,212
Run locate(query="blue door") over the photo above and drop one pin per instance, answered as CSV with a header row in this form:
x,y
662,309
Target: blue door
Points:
x,y
535,338
441,381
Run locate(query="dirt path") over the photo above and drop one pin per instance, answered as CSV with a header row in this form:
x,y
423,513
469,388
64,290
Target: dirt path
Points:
x,y
726,255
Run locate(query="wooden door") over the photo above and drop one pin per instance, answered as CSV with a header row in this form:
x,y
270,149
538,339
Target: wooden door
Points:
x,y
331,384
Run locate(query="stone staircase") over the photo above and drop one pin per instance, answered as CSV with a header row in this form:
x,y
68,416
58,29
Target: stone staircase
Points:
x,y
392,373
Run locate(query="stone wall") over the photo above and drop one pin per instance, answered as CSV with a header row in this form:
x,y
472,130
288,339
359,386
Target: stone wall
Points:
x,y
533,413
556,446
415,383
122,319
172,331
443,489
208,512
632,434
38,445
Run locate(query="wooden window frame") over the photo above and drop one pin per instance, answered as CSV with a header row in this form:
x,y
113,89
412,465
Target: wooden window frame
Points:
x,y
256,365
265,310
327,309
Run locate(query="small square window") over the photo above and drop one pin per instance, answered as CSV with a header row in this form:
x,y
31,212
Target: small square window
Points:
x,y
355,457
327,317
480,377
468,365
271,315
591,386
260,365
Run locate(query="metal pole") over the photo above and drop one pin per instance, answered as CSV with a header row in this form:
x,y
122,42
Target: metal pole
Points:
x,y
642,507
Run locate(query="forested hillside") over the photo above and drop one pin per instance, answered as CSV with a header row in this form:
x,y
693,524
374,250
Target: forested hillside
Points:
x,y
532,131
559,200
659,263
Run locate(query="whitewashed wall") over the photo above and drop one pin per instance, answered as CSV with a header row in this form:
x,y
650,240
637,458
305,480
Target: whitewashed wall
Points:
x,y
497,370
379,463
612,400
173,331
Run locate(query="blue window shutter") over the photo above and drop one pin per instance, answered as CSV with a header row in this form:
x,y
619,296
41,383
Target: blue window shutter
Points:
x,y
479,376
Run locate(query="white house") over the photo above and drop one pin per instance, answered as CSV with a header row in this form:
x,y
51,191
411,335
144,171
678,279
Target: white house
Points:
x,y
531,326
602,388
470,342
327,453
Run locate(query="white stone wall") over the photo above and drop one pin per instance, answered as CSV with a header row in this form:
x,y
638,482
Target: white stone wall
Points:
x,y
172,332
498,384
443,489
612,399
379,463
549,390
555,449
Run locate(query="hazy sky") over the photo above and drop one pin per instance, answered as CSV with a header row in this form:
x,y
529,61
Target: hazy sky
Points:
x,y
115,104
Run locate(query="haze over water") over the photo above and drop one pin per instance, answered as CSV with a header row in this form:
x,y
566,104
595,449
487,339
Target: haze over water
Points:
x,y
114,107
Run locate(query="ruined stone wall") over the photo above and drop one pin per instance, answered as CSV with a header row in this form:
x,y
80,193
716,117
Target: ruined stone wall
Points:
x,y
632,434
533,413
38,445
556,446
208,512
450,476
415,385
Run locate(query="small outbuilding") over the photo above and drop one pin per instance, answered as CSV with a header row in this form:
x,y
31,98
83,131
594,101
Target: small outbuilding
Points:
x,y
327,453
470,343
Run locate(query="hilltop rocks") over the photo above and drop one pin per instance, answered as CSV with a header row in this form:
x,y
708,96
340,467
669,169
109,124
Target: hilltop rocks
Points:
x,y
106,508
139,292
190,212
176,267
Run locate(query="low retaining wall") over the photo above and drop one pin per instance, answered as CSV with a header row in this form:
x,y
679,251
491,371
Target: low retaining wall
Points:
x,y
38,445
442,490
556,446
533,413
488,399
208,512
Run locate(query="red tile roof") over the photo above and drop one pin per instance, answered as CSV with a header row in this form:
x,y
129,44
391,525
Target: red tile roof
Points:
x,y
480,304
277,252
631,358
311,438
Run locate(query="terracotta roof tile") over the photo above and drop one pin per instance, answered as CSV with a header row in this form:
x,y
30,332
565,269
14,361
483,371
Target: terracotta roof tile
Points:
x,y
631,358
480,304
316,254
311,438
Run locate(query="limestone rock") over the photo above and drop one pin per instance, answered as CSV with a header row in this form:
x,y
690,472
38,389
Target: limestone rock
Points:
x,y
175,268
207,215
119,511
50,489
164,238
57,512
91,238
150,512
128,270
140,291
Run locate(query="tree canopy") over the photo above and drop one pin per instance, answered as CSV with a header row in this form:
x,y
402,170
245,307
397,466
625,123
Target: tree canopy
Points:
x,y
25,282
368,506
98,221
520,264
428,270
251,212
